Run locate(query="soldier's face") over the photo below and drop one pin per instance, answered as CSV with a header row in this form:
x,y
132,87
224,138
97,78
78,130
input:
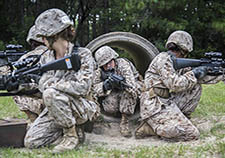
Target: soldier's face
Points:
x,y
46,42
110,65
178,54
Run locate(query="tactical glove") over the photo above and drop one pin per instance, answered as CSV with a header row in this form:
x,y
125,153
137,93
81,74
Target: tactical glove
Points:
x,y
12,85
107,85
33,78
200,72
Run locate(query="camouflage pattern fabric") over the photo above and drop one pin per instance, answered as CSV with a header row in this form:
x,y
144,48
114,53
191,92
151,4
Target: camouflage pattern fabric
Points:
x,y
66,95
168,116
43,131
124,101
4,70
30,103
37,51
182,39
105,54
32,35
51,22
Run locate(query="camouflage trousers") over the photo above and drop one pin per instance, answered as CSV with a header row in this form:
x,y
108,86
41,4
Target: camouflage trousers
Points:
x,y
68,110
43,131
122,102
31,104
62,111
172,122
188,101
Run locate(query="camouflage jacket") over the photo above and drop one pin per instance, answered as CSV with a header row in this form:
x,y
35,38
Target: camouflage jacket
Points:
x,y
124,68
31,86
70,82
37,51
75,85
163,83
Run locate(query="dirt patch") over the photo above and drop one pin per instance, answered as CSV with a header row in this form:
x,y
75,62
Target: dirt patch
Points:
x,y
107,135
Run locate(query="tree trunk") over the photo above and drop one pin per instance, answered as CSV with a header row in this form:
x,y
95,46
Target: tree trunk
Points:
x,y
94,34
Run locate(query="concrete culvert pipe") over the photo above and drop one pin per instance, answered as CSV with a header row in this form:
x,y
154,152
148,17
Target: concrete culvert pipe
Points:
x,y
141,50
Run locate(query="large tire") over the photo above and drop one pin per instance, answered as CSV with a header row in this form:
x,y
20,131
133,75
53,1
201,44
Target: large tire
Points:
x,y
141,50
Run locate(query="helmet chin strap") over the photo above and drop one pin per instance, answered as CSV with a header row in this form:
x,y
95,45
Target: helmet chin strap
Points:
x,y
184,53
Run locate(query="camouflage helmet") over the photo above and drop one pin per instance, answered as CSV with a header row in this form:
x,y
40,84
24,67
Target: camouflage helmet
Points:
x,y
181,39
104,55
51,22
32,35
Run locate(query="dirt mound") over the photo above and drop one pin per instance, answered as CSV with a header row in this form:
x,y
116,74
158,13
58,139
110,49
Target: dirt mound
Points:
x,y
107,135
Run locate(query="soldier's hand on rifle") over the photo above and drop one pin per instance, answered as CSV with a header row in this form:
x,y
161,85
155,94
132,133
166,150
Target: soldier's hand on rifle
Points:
x,y
200,71
107,85
33,77
117,82
11,85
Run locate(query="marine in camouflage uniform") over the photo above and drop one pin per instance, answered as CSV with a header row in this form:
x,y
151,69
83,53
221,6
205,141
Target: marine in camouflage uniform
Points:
x,y
31,105
115,99
172,95
66,93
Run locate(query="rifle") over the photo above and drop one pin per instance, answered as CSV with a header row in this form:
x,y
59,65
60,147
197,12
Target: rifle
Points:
x,y
11,54
24,74
213,60
118,82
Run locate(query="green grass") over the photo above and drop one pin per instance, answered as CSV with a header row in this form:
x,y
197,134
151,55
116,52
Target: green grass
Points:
x,y
165,151
212,101
9,109
211,108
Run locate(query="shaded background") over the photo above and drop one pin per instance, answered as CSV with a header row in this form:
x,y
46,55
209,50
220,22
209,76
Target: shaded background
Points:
x,y
152,19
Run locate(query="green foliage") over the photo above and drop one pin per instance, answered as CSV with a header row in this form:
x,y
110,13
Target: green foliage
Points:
x,y
152,19
2,46
157,19
219,25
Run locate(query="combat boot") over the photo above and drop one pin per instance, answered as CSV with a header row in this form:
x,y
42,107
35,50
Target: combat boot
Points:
x,y
80,133
144,130
70,140
124,126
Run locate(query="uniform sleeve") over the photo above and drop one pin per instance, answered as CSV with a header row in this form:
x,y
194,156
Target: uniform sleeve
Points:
x,y
47,80
79,83
128,74
212,79
33,85
97,87
170,78
39,50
